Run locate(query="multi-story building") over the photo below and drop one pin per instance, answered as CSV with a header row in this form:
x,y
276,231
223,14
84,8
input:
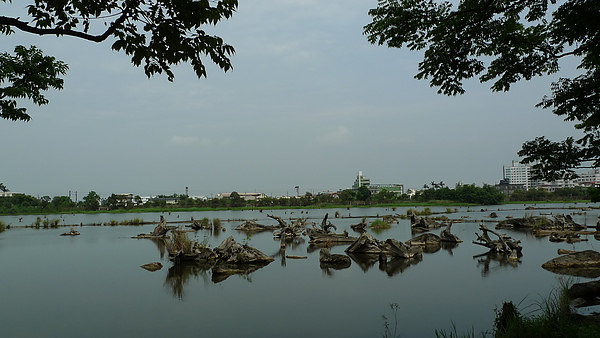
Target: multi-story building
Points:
x,y
362,180
518,174
589,179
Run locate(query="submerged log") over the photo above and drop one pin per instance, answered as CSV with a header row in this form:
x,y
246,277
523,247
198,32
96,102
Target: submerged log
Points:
x,y
575,263
252,226
425,240
154,266
73,232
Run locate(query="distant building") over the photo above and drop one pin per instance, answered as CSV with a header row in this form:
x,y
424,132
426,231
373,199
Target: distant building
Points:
x,y
9,193
518,177
362,180
246,196
589,179
518,174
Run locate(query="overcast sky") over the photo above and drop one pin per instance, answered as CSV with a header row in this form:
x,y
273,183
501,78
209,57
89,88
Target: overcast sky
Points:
x,y
309,103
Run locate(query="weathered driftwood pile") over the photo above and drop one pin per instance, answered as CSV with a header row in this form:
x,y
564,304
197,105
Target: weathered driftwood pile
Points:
x,y
227,259
503,244
429,239
252,226
367,244
286,231
324,234
422,224
559,228
557,222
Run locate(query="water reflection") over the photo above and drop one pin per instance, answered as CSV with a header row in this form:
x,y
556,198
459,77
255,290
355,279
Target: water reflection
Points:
x,y
392,267
500,261
180,274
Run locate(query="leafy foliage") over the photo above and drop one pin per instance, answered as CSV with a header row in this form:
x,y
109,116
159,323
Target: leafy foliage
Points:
x,y
156,34
504,42
26,74
486,195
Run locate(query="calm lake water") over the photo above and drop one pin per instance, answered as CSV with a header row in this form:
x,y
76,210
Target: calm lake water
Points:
x,y
92,285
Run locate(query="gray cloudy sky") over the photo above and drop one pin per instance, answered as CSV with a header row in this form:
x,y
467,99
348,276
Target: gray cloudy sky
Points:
x,y
309,102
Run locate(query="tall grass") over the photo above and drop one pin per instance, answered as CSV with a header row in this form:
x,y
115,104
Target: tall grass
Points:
x,y
551,317
179,242
2,226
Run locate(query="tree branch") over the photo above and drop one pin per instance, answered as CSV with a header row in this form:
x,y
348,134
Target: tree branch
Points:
x,y
24,26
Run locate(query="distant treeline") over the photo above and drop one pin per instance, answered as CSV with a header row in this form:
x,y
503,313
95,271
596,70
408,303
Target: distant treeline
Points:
x,y
486,195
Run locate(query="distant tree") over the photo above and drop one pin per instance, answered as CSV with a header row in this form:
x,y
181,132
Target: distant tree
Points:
x,y
385,195
505,42
156,34
3,188
91,201
347,195
62,203
236,200
363,193
594,194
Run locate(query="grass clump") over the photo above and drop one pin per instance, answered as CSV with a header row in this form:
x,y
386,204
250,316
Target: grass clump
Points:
x,y
379,224
179,242
135,222
425,212
2,226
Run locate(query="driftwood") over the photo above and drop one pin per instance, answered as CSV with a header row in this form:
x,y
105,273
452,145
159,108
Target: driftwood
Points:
x,y
252,226
334,261
199,225
73,232
369,245
447,236
231,252
154,266
575,263
390,219
282,223
565,236
504,245
540,223
288,231
360,227
427,239
160,231
323,235
422,224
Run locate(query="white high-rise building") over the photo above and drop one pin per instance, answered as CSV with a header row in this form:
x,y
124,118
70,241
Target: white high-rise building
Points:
x,y
519,173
